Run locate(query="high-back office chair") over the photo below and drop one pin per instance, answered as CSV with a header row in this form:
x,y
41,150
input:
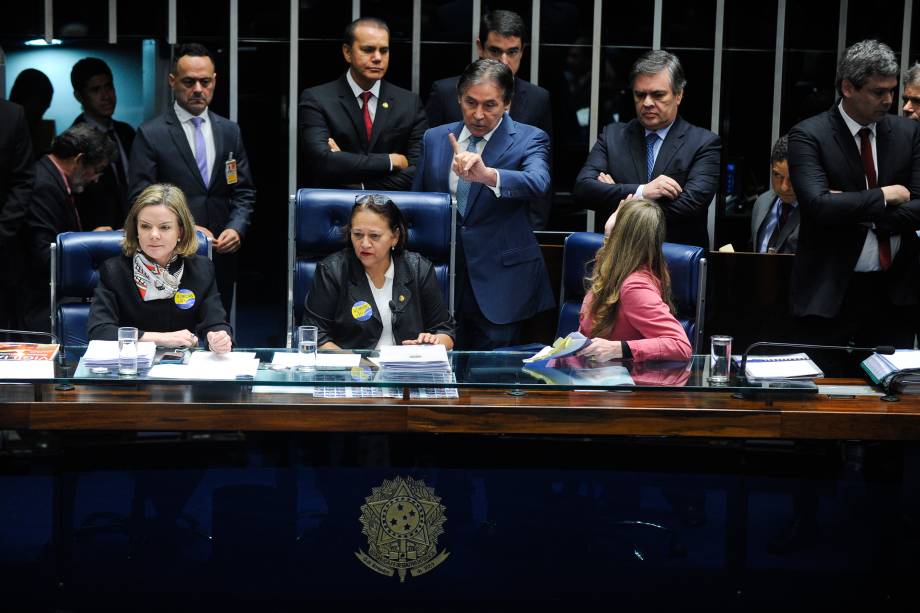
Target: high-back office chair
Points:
x,y
75,261
317,218
686,263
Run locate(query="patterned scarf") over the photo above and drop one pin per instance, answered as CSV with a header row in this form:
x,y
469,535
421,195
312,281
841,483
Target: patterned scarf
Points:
x,y
154,281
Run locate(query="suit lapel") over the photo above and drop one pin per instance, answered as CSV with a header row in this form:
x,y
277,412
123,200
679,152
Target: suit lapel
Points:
x,y
495,148
761,215
177,133
791,223
636,137
671,145
382,116
350,107
360,288
217,130
848,150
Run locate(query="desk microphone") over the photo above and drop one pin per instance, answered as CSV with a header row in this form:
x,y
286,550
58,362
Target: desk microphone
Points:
x,y
883,349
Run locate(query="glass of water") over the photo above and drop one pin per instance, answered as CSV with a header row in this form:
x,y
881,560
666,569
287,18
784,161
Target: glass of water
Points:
x,y
306,347
127,351
720,359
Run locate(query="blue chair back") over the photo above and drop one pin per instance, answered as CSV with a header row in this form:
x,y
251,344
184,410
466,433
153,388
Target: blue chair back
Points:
x,y
317,219
75,261
686,264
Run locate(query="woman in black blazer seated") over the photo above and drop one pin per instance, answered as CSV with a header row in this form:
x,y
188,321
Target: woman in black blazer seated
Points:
x,y
159,285
374,292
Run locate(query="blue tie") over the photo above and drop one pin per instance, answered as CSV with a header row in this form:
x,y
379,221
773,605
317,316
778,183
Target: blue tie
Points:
x,y
651,139
201,152
463,187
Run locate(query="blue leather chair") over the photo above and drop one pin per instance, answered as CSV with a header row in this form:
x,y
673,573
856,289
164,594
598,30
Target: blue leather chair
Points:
x,y
687,265
75,261
317,218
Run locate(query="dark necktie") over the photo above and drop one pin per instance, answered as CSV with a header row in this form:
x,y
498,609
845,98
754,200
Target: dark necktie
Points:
x,y
884,241
463,186
651,140
368,122
784,209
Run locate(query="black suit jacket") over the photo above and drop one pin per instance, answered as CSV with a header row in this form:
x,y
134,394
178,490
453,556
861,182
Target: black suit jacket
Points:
x,y
161,154
15,186
340,283
50,212
689,155
331,110
530,105
823,156
117,302
105,202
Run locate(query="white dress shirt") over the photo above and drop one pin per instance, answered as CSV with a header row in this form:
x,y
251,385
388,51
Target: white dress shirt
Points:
x,y
382,298
185,120
868,258
464,142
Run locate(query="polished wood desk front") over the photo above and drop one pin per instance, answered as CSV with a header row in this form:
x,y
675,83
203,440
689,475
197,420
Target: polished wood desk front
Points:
x,y
477,411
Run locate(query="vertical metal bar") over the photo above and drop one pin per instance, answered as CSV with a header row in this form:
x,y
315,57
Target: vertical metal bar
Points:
x,y
905,43
416,44
355,9
477,16
293,73
656,25
842,29
716,103
171,23
49,21
234,59
778,69
535,43
113,22
593,122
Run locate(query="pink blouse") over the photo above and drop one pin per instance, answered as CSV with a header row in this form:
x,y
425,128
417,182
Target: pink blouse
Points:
x,y
643,321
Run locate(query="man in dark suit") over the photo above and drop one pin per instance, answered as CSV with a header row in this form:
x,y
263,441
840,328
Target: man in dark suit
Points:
x,y
775,219
78,157
911,95
501,37
856,172
15,187
492,166
359,130
104,203
203,154
658,155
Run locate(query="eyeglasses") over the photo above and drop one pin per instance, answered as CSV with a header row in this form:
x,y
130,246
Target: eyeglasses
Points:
x,y
377,199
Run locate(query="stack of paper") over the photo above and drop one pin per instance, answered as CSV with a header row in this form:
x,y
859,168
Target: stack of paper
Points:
x,y
323,361
209,366
786,366
105,354
414,358
902,367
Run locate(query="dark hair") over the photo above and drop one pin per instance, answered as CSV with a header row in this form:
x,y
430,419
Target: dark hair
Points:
x,y
190,49
348,39
386,208
83,138
487,70
862,60
86,69
780,150
503,23
653,62
32,84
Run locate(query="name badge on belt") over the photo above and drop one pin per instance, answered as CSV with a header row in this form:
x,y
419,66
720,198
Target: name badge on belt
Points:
x,y
230,170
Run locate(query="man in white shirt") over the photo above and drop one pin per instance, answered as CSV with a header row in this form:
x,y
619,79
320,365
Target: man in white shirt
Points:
x,y
359,130
856,172
203,154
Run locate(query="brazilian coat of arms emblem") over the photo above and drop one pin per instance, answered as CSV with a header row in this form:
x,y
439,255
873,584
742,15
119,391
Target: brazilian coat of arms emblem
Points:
x,y
402,520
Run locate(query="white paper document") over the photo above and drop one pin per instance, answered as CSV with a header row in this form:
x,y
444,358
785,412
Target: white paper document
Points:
x,y
105,353
412,357
210,366
324,361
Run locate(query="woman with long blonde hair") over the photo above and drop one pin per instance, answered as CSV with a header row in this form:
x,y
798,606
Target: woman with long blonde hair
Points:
x,y
627,311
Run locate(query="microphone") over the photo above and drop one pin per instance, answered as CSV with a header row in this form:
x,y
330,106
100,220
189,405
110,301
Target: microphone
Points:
x,y
883,349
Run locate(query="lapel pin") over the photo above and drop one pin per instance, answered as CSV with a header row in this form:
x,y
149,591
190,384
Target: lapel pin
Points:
x,y
386,105
402,298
